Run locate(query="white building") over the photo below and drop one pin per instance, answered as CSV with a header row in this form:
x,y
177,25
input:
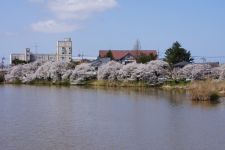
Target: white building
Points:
x,y
63,53
81,58
64,50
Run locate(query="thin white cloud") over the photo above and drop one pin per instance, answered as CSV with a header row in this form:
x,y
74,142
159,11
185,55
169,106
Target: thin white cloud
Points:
x,y
70,11
37,1
52,26
76,9
7,34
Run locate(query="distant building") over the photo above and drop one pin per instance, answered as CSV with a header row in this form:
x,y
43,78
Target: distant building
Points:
x,y
212,64
63,53
184,63
126,56
181,64
84,58
98,62
64,50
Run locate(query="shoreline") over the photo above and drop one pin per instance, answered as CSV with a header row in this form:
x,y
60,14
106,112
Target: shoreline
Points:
x,y
208,90
104,83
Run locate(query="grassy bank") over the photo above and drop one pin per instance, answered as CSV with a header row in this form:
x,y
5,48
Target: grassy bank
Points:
x,y
174,84
41,82
207,90
117,83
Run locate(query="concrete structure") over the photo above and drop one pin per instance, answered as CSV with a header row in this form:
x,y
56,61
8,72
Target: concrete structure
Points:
x,y
63,53
64,50
43,57
14,56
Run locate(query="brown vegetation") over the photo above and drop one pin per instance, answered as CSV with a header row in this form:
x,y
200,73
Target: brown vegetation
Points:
x,y
207,90
116,83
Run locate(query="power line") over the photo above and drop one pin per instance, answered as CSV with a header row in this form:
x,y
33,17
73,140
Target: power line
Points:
x,y
208,56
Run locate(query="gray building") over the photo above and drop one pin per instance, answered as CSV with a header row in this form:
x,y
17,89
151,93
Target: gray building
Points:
x,y
64,50
63,53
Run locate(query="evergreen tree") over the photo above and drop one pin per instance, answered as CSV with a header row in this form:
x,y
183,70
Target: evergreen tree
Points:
x,y
177,54
109,54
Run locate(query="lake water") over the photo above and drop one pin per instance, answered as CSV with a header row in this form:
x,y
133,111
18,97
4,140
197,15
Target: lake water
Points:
x,y
79,118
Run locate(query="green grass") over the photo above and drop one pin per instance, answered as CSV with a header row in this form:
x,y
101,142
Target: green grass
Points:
x,y
177,83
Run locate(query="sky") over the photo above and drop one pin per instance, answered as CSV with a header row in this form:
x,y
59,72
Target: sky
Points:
x,y
199,25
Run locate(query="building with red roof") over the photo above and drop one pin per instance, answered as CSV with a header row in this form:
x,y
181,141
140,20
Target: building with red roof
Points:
x,y
126,56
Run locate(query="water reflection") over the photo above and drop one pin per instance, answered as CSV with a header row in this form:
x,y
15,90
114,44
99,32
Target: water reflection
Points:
x,y
175,97
57,117
207,104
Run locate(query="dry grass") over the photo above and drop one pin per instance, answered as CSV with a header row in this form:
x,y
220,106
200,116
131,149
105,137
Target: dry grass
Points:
x,y
117,83
207,90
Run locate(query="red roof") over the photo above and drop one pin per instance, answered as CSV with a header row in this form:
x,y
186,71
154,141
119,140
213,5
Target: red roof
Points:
x,y
119,54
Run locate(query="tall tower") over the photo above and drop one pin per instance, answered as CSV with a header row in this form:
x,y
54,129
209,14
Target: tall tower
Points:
x,y
64,50
27,55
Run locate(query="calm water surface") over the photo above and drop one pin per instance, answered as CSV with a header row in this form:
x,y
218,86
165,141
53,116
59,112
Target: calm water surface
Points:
x,y
78,118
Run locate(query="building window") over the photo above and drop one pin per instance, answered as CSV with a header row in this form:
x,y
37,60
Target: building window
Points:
x,y
63,50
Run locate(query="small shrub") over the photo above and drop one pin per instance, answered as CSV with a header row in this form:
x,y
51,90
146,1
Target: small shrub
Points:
x,y
214,97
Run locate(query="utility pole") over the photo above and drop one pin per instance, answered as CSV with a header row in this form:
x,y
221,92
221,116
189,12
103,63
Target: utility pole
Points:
x,y
36,47
203,60
81,55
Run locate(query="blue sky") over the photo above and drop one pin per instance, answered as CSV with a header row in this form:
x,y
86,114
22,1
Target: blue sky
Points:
x,y
113,24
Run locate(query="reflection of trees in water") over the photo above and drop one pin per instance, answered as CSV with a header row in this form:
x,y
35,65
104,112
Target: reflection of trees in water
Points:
x,y
206,104
174,97
154,93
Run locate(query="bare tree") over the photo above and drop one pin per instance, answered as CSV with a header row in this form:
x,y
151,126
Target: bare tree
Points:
x,y
2,63
137,45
